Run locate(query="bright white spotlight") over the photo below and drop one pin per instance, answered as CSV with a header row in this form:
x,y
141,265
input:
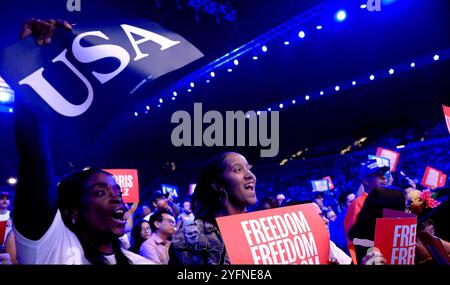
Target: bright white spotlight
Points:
x,y
286,43
160,100
230,70
236,62
4,97
353,83
340,16
337,88
12,181
159,105
307,97
413,64
207,81
319,27
212,74
147,107
175,93
281,105
189,90
321,93
363,6
372,77
264,48
258,113
192,84
10,110
173,98
436,57
136,114
301,34
255,57
293,102
391,71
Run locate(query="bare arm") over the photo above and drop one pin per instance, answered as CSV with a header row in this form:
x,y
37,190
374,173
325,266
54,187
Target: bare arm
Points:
x,y
35,201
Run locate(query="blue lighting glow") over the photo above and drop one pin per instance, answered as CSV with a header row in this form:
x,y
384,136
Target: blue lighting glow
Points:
x,y
207,81
286,43
192,84
321,93
413,64
353,83
255,57
391,71
173,98
281,105
175,93
307,97
136,114
340,16
160,100
372,77
147,107
293,102
230,70
319,27
189,90
436,57
264,48
212,74
301,34
10,110
236,62
363,6
337,88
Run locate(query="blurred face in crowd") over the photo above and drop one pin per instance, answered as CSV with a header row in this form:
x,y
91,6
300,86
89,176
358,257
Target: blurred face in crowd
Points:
x,y
280,198
238,181
161,203
319,201
375,180
350,198
167,225
145,211
145,230
102,212
187,207
324,219
4,203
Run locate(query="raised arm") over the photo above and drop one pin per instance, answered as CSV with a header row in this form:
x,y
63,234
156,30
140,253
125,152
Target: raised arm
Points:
x,y
35,202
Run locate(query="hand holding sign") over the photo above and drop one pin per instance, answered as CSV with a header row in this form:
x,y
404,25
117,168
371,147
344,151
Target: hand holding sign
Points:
x,y
43,29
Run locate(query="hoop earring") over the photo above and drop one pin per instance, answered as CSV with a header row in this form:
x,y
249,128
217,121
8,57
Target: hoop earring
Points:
x,y
223,197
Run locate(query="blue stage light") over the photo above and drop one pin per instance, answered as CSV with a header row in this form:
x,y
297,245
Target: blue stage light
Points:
x,y
212,74
255,57
236,62
264,48
307,97
286,43
301,34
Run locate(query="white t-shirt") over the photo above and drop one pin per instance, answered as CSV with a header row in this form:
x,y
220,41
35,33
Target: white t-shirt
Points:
x,y
339,254
59,245
5,216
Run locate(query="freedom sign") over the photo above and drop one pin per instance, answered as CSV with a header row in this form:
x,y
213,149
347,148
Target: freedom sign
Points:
x,y
287,235
395,236
391,155
84,78
128,182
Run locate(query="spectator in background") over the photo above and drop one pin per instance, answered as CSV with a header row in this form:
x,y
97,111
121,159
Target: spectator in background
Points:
x,y
331,215
364,228
156,247
318,199
186,216
337,233
139,234
280,198
372,175
159,201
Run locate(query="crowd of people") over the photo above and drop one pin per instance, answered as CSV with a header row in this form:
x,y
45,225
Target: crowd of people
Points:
x,y
82,218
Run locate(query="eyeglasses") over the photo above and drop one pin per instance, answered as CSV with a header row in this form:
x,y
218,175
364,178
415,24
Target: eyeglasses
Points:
x,y
172,222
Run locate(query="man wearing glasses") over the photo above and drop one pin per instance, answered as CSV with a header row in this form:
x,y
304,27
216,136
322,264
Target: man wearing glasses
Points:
x,y
156,248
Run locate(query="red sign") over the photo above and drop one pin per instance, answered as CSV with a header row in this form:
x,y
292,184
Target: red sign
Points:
x,y
431,178
287,235
330,183
128,181
442,179
391,155
395,236
447,116
3,231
